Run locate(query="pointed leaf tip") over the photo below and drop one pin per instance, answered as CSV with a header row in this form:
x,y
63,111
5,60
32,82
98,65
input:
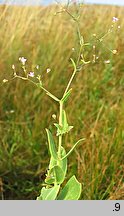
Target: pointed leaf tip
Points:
x,y
52,146
65,97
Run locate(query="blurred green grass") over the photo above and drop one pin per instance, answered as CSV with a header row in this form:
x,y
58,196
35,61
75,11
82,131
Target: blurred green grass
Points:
x,y
95,108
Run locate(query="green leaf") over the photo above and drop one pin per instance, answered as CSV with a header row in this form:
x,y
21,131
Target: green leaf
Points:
x,y
59,129
52,147
71,191
57,170
50,179
59,174
49,194
53,162
50,176
69,128
74,64
81,40
65,97
64,120
63,162
72,149
65,128
55,176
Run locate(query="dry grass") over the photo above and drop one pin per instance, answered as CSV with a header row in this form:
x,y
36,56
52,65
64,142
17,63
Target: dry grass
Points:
x,y
96,108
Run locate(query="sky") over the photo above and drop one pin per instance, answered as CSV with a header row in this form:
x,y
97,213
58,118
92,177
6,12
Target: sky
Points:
x,y
113,2
34,2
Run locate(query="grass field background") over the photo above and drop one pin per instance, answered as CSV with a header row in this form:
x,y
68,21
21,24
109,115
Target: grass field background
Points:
x,y
95,108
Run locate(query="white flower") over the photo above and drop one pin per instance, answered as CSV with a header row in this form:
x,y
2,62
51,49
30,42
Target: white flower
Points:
x,y
48,70
12,111
5,80
37,67
114,51
22,60
94,35
115,19
31,74
107,61
54,116
13,67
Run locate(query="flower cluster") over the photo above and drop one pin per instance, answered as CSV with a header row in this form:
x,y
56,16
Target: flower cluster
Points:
x,y
115,19
31,74
22,60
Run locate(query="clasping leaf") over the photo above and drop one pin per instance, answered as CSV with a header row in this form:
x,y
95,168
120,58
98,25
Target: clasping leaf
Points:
x,y
57,170
65,128
71,191
49,194
74,64
52,147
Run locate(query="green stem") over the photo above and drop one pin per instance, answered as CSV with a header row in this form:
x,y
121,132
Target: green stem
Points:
x,y
50,95
60,123
37,84
78,58
74,72
70,81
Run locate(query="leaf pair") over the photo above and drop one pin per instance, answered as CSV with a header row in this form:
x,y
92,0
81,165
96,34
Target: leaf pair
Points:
x,y
64,128
71,191
56,176
57,167
49,193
